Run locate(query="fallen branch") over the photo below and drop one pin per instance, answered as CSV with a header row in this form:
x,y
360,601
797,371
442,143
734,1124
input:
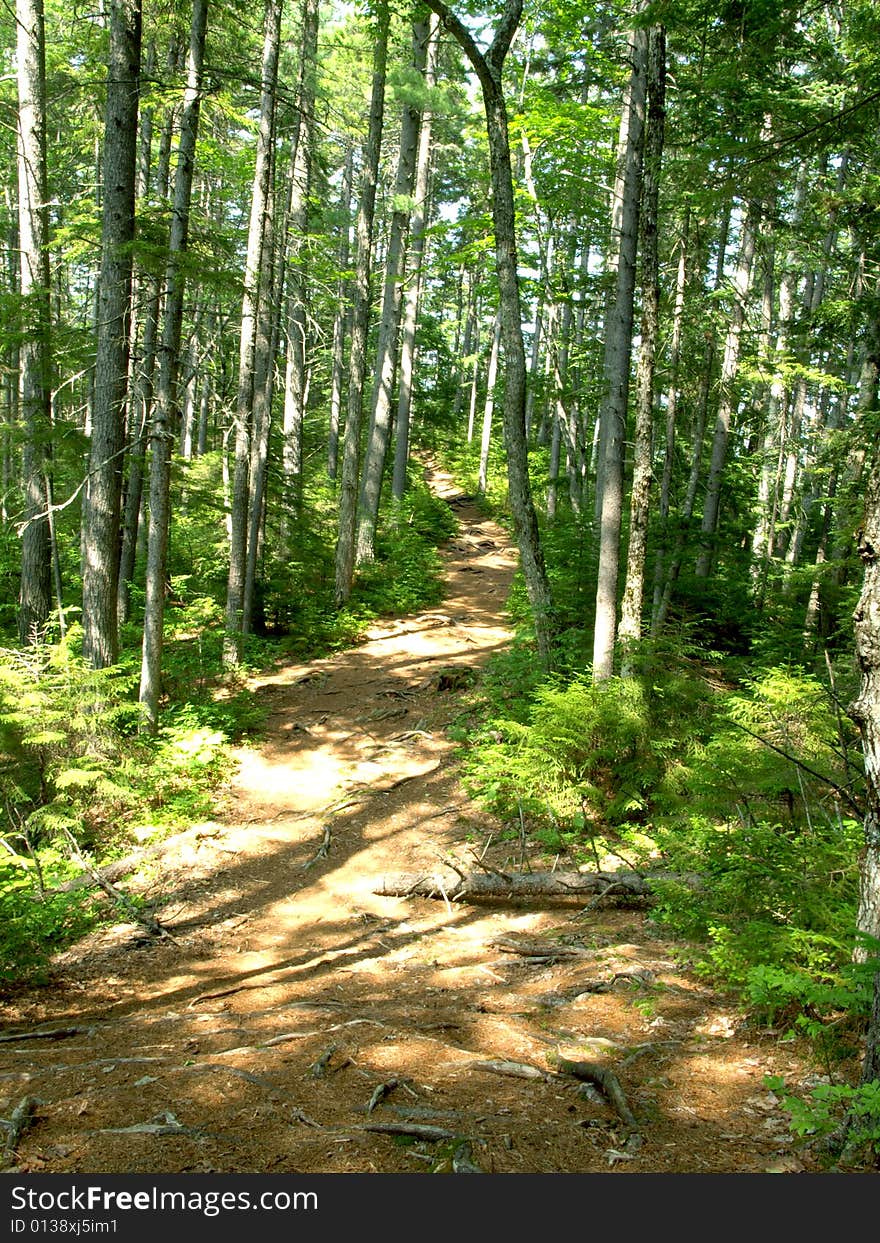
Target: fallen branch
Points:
x,y
476,885
380,1092
150,922
163,1124
318,1069
463,1160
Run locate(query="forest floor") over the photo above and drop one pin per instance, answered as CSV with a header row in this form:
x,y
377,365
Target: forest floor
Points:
x,y
255,1039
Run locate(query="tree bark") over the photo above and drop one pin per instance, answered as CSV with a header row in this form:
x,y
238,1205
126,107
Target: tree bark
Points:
x,y
389,324
489,407
348,484
295,375
341,318
727,401
865,711
35,350
101,508
411,301
488,69
232,645
477,885
142,371
616,369
686,513
165,410
630,630
671,420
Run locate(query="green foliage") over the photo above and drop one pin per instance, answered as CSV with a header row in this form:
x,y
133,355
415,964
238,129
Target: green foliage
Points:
x,y
741,792
77,777
72,761
35,922
406,574
763,827
590,755
828,1107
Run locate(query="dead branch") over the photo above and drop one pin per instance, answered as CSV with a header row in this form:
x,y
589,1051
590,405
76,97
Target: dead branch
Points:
x,y
318,1069
380,1092
149,922
640,976
463,1160
163,1124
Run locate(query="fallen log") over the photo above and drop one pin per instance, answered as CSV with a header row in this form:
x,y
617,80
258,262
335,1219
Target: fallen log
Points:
x,y
473,886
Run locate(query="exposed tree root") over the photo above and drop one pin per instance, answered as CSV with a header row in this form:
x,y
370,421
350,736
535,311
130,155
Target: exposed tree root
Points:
x,y
592,1072
16,1125
418,1130
515,1070
54,1033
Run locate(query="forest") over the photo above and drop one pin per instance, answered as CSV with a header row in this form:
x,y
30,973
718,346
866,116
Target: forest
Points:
x,y
305,308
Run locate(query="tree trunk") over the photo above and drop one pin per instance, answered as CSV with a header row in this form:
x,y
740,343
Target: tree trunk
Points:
x,y
101,508
672,399
165,410
686,513
35,350
631,609
489,407
264,382
411,303
866,709
295,375
232,646
727,401
489,71
142,372
341,318
616,370
389,324
348,486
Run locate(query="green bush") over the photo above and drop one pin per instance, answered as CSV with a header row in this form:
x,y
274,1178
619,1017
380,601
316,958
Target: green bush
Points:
x,y
828,1106
599,755
36,922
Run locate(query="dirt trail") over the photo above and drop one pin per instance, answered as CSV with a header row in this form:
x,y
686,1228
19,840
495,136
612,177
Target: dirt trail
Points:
x,y
255,1040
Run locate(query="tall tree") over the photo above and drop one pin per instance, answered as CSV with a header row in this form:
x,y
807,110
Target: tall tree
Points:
x,y
631,608
728,392
295,376
413,288
250,311
165,410
348,483
618,351
101,508
35,350
389,324
489,67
